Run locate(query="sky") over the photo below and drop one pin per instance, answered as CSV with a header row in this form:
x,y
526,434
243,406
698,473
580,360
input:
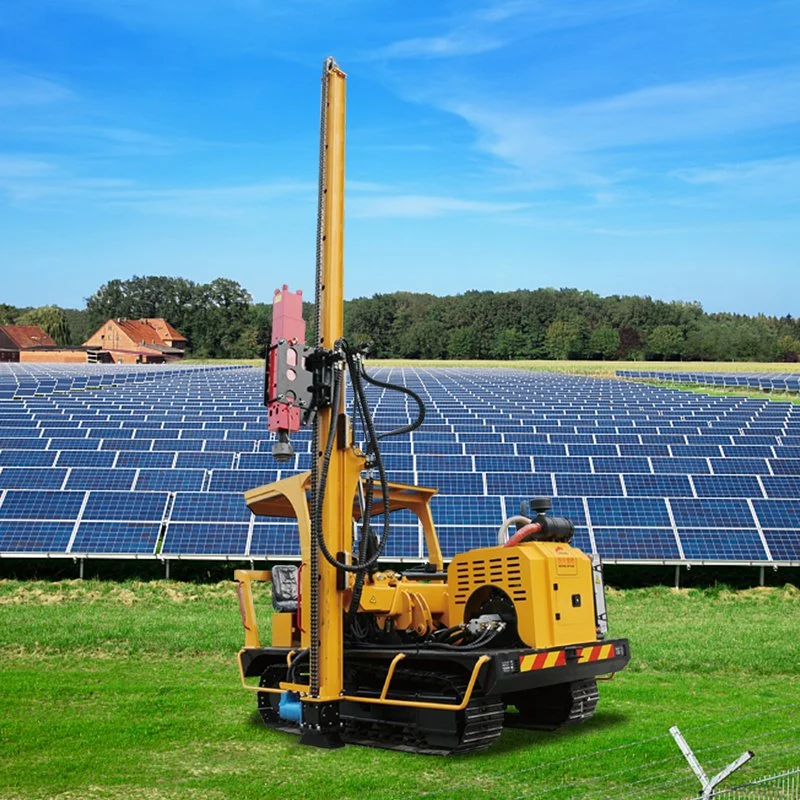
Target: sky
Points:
x,y
645,147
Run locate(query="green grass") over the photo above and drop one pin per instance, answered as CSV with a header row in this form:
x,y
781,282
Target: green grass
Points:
x,y
130,690
728,391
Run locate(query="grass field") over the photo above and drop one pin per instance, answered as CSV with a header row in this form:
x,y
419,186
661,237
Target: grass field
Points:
x,y
112,690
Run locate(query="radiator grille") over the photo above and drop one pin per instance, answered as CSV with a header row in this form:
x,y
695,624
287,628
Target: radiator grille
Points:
x,y
505,572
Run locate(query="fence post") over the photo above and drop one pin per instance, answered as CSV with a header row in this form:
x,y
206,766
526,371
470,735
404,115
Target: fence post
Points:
x,y
708,784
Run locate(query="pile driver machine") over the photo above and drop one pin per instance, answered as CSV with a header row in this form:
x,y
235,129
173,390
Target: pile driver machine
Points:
x,y
433,659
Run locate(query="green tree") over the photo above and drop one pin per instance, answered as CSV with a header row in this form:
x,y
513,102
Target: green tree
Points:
x,y
563,339
51,318
665,341
603,342
509,343
788,349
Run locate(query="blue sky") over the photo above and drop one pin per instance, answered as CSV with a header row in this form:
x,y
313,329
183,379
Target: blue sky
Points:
x,y
620,146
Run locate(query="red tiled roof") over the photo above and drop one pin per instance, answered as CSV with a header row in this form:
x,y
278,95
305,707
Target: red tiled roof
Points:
x,y
139,331
27,335
165,330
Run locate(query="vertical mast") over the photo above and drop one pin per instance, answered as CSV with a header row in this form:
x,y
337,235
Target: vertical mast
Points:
x,y
325,588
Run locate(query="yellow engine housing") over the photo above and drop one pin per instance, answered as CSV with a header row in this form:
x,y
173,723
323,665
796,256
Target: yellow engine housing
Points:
x,y
549,583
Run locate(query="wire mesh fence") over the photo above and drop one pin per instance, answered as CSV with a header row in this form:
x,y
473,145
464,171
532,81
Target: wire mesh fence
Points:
x,y
784,786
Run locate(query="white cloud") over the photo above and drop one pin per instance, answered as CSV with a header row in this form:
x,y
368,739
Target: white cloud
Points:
x,y
29,90
447,46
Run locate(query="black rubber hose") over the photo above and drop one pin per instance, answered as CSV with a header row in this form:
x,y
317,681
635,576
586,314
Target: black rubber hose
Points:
x,y
405,390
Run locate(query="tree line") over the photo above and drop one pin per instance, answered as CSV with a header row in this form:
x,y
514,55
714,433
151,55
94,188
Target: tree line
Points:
x,y
220,320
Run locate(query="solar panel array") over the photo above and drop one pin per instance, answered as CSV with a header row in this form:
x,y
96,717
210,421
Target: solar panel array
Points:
x,y
156,469
766,381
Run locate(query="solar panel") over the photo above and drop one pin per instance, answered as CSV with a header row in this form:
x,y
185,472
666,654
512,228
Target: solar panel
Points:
x,y
727,486
116,537
274,538
628,512
778,513
585,485
722,545
712,513
125,506
533,485
663,485
690,466
739,466
31,478
170,480
25,536
783,544
209,507
205,539
778,486
636,543
785,466
41,505
467,483
240,480
90,478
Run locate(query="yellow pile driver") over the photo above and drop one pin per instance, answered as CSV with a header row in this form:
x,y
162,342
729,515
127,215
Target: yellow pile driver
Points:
x,y
435,659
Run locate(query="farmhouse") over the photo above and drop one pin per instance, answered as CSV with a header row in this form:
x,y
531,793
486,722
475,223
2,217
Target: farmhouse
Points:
x,y
141,341
29,343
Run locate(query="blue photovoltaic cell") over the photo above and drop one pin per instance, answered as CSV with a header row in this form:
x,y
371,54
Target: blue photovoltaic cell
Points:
x,y
231,480
580,450
708,513
778,513
27,458
618,465
636,543
786,451
618,438
131,460
581,540
31,478
785,466
743,451
179,445
722,545
170,480
116,537
470,483
577,484
209,507
34,536
739,466
41,505
571,438
536,449
657,485
690,466
696,450
518,464
85,458
229,446
456,538
514,482
92,478
23,444
643,450
275,538
205,539
437,448
784,545
628,512
428,463
121,444
205,460
258,461
455,510
727,486
557,464
782,486
126,506
403,540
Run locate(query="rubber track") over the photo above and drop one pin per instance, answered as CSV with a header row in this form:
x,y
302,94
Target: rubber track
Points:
x,y
482,718
584,702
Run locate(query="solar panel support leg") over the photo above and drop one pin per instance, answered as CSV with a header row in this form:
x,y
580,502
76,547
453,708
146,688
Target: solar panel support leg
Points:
x,y
678,577
761,576
166,569
80,567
